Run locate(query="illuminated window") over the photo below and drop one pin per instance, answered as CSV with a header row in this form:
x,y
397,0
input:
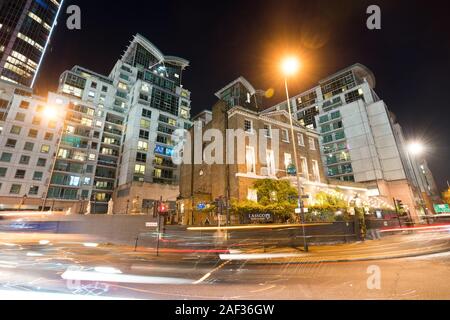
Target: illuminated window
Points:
x,y
316,172
301,140
312,144
287,160
145,124
45,148
252,195
63,153
250,160
139,169
142,146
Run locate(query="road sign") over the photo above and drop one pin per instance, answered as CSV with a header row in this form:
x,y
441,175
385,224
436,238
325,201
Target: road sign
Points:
x,y
151,224
298,210
292,170
442,208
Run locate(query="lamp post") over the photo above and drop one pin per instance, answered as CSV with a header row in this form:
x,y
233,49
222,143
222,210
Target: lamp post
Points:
x,y
415,149
290,67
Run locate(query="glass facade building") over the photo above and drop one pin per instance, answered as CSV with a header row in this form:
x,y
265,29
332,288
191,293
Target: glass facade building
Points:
x,y
25,30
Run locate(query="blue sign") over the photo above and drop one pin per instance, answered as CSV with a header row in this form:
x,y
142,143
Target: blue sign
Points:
x,y
201,206
159,149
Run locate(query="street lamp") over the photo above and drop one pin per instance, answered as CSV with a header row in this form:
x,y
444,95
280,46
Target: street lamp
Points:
x,y
290,67
415,149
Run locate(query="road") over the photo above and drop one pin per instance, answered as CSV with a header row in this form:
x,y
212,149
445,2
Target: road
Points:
x,y
67,267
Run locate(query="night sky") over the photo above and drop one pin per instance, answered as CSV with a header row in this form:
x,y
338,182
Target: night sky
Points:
x,y
226,39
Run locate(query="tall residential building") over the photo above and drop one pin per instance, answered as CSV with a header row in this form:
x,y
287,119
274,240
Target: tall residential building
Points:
x,y
25,30
115,140
361,140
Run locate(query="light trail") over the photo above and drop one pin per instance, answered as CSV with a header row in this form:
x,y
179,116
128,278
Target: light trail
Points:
x,y
262,256
256,227
120,278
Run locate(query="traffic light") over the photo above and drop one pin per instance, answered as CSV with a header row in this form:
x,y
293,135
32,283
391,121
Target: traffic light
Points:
x,y
163,208
399,205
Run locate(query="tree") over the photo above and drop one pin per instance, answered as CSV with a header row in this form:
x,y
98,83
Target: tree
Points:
x,y
446,196
275,192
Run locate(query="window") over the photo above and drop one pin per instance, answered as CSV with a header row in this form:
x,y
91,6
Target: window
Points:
x,y
142,146
24,160
86,122
29,146
87,181
285,135
20,174
139,169
74,181
146,113
48,136
301,140
252,195
316,172
52,124
34,190
37,176
15,189
11,143
94,85
267,131
6,157
92,157
144,134
3,172
250,160
45,148
33,133
41,162
145,124
20,116
37,121
15,129
312,144
248,126
24,105
287,160
305,171
340,135
141,157
271,167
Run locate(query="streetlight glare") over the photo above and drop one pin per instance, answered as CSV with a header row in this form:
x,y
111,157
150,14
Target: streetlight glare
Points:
x,y
416,148
290,66
50,112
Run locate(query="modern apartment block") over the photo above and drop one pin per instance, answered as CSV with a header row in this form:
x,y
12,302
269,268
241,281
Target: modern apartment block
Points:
x,y
28,141
26,27
360,139
115,140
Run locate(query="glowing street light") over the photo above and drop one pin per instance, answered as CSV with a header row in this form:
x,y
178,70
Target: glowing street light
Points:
x,y
416,148
290,66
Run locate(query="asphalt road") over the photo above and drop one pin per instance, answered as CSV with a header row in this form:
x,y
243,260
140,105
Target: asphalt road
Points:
x,y
51,267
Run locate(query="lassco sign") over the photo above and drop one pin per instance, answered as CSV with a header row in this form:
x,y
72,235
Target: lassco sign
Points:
x,y
260,217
